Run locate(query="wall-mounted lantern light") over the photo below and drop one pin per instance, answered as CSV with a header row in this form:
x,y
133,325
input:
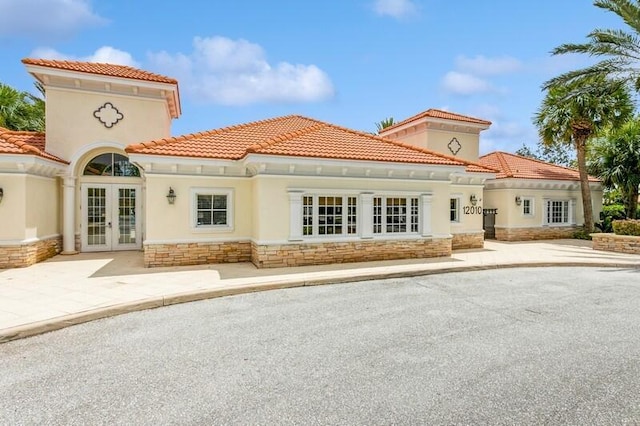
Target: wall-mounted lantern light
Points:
x,y
1,194
171,196
518,200
473,199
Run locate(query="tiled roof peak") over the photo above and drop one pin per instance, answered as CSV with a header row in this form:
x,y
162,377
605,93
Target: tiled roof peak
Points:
x,y
441,114
100,68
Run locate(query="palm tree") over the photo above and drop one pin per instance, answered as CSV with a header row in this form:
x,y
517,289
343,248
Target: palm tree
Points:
x,y
619,49
615,158
574,113
384,123
21,110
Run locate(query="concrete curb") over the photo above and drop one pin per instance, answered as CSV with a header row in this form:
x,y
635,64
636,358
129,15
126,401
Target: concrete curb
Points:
x,y
41,327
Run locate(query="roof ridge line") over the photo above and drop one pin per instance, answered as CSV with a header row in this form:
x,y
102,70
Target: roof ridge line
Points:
x,y
503,162
501,154
537,160
56,63
425,114
187,136
403,145
284,137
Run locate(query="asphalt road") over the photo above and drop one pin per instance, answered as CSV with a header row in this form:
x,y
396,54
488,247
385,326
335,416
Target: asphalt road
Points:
x,y
513,346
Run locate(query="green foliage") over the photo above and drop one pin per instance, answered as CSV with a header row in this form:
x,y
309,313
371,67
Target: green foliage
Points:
x,y
21,110
582,234
618,49
627,227
609,214
383,124
574,113
615,158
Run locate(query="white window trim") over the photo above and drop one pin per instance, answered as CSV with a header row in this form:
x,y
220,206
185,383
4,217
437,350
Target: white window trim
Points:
x,y
570,212
383,225
228,192
364,214
316,216
458,209
532,205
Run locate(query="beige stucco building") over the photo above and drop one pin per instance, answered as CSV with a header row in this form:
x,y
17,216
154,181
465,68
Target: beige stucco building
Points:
x,y
107,175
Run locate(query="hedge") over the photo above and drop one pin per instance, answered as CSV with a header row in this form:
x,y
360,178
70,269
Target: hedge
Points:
x,y
627,227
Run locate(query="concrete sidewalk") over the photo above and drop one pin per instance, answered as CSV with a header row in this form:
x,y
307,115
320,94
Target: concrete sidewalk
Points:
x,y
68,290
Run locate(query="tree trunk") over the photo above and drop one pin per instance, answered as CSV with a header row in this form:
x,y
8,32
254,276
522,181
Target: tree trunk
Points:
x,y
631,203
581,151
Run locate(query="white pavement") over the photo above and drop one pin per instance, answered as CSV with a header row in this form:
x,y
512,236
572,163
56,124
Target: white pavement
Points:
x,y
68,290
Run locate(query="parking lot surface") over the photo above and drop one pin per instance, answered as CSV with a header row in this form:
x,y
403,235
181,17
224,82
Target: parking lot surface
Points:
x,y
511,346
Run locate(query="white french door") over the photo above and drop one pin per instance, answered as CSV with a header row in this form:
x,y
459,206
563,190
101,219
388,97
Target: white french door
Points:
x,y
110,217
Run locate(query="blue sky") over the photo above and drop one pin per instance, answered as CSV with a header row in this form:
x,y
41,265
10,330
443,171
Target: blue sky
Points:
x,y
349,62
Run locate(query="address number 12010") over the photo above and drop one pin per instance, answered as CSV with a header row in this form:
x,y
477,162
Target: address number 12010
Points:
x,y
472,209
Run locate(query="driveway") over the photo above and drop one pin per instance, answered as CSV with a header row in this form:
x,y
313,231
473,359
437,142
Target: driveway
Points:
x,y
512,346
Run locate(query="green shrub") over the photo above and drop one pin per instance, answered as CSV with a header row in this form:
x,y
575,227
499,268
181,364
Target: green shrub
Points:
x,y
627,227
582,234
610,213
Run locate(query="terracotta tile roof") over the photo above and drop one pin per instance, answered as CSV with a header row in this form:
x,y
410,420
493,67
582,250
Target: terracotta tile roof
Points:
x,y
295,136
30,143
110,70
516,166
437,113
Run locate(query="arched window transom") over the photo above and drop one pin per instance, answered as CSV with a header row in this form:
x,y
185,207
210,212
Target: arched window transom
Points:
x,y
111,164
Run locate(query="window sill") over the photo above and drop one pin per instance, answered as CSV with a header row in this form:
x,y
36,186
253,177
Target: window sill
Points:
x,y
212,229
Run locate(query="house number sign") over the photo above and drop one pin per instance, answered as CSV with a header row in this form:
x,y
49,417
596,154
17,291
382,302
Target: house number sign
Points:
x,y
472,209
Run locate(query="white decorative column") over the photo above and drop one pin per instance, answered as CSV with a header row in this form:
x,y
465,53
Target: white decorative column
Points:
x,y
366,215
69,216
295,215
425,200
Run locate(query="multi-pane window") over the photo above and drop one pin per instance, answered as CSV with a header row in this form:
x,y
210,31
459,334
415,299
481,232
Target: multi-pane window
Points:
x,y
211,210
307,215
527,206
414,215
395,215
352,215
377,215
329,215
557,212
454,210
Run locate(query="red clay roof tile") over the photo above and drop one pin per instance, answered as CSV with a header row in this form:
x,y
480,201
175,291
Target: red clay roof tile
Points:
x,y
296,136
516,166
21,142
110,70
437,113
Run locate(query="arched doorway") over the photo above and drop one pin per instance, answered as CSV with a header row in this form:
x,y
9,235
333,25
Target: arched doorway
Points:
x,y
111,189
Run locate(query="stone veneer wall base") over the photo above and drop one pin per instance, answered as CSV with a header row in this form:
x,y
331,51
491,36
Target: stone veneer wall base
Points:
x,y
303,254
617,243
182,254
19,256
467,241
530,234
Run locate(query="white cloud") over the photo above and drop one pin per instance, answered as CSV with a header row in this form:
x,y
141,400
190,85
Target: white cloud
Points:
x,y
236,72
464,84
482,65
395,8
106,54
46,18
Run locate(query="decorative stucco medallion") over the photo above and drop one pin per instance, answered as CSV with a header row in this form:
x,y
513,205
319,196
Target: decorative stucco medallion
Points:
x,y
454,146
108,115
